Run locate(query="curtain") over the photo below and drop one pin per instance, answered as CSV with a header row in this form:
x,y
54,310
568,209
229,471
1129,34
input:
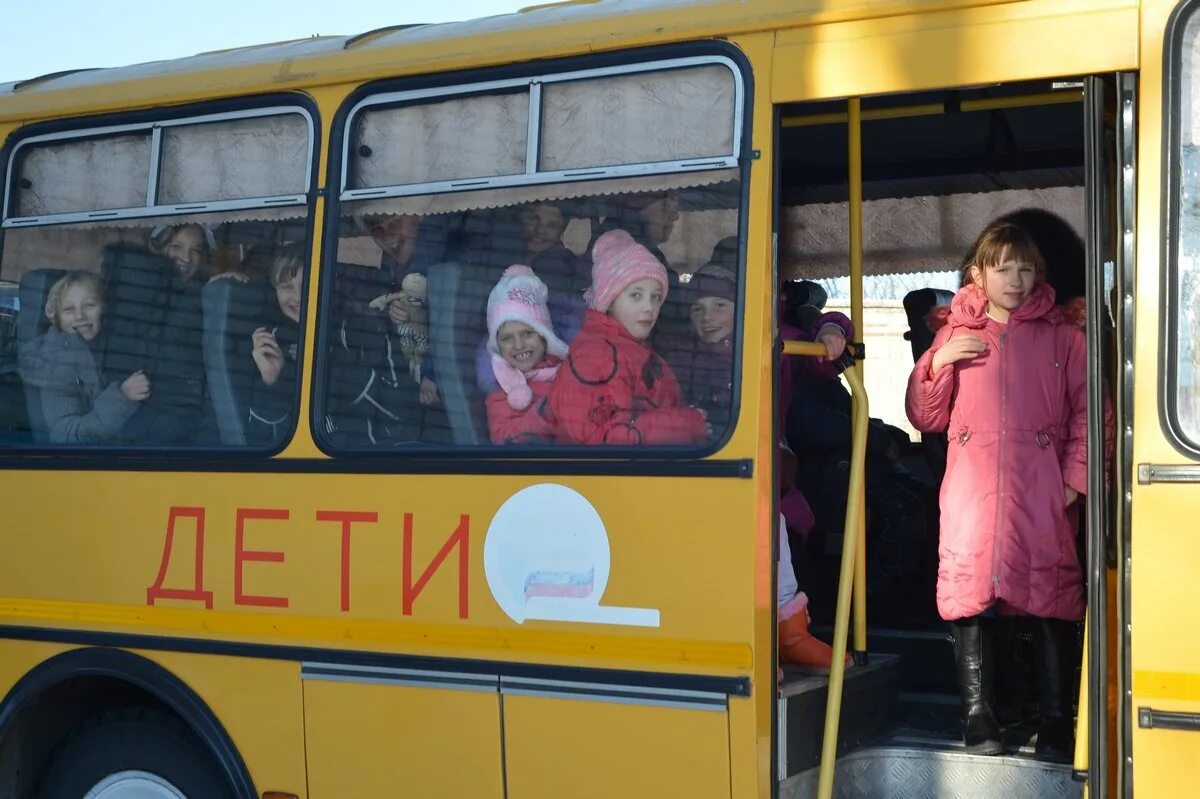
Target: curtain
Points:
x,y
673,115
454,139
235,159
88,175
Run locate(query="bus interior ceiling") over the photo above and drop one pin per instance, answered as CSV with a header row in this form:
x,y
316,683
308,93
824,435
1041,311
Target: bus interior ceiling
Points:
x,y
937,167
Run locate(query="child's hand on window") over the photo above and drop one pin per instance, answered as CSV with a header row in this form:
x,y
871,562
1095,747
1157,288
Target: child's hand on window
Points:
x,y
268,357
834,340
136,387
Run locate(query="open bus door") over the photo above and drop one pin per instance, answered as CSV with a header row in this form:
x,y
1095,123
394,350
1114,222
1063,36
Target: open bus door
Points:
x,y
1159,448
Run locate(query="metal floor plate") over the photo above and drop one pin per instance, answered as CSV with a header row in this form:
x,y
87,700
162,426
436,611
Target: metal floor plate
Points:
x,y
901,772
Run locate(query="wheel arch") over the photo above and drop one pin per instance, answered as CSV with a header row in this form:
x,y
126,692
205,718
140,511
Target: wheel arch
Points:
x,y
137,680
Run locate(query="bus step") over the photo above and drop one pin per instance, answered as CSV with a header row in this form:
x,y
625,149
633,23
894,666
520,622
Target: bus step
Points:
x,y
868,707
926,655
907,767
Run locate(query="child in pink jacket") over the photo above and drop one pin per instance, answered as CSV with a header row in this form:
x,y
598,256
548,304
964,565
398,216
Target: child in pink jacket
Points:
x,y
525,355
614,388
1007,378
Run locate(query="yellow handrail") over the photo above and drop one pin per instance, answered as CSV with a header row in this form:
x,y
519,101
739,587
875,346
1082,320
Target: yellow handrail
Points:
x,y
855,204
846,575
1082,755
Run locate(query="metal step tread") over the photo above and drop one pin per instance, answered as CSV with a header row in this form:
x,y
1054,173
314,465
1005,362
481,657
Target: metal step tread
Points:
x,y
919,767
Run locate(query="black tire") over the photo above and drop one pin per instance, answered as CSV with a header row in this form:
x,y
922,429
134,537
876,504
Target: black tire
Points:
x,y
133,739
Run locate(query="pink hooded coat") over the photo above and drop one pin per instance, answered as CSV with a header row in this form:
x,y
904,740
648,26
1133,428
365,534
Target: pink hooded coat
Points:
x,y
1017,423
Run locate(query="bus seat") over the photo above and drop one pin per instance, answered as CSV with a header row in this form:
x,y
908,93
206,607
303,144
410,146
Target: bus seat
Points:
x,y
136,305
232,311
917,304
31,324
458,295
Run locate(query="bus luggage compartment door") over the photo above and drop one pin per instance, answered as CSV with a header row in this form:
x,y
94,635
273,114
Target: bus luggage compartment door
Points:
x,y
569,741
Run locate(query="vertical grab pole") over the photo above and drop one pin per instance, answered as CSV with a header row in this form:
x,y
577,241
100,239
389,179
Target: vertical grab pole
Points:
x,y
854,125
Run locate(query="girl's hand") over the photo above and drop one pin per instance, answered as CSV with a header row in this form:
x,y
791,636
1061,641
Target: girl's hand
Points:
x,y
1070,495
136,387
268,357
431,397
398,312
834,339
959,348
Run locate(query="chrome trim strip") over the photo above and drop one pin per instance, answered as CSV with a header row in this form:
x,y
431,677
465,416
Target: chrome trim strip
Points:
x,y
624,694
382,675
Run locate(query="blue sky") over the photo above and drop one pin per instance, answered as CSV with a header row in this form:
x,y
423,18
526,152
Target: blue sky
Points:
x,y
41,36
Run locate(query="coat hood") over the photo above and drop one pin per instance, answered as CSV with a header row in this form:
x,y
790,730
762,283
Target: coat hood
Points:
x,y
970,303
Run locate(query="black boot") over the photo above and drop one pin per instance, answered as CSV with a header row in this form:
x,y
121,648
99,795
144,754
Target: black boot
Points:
x,y
1056,647
975,663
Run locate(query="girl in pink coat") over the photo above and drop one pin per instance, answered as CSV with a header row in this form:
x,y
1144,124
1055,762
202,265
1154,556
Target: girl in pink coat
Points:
x,y
1007,379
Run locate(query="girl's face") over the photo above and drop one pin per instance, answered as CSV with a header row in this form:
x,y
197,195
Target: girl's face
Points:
x,y
186,249
1007,284
543,226
713,319
79,312
288,295
520,345
637,307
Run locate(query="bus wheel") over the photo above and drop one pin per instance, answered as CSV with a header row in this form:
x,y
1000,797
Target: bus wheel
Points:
x,y
133,754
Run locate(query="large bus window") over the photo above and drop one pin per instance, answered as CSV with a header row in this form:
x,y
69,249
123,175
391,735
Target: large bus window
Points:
x,y
135,321
1185,400
443,196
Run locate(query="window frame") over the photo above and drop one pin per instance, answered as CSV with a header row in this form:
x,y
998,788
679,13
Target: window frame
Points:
x,y
110,457
419,456
152,208
532,175
1170,334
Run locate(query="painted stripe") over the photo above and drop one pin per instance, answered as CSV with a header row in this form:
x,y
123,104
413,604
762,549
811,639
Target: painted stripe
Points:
x,y
356,665
1179,685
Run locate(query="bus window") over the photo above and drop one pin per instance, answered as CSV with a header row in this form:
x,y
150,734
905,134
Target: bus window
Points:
x,y
154,277
441,195
1185,402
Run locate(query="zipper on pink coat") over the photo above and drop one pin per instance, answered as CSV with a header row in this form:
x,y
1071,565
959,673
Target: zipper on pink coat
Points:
x,y
996,534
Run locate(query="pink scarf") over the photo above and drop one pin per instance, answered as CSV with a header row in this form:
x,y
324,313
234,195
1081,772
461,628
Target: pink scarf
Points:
x,y
516,383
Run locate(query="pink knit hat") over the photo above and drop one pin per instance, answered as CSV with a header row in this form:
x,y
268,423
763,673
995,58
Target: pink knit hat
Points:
x,y
617,261
520,296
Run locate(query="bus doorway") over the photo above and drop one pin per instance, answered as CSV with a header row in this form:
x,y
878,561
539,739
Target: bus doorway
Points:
x,y
935,169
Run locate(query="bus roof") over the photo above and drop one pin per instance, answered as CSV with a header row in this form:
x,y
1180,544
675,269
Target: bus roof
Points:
x,y
415,49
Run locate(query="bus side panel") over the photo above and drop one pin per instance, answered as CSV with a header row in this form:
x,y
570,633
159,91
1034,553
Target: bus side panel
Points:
x,y
395,740
259,704
585,749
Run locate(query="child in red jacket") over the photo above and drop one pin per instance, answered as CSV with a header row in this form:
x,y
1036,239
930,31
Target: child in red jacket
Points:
x,y
525,355
613,388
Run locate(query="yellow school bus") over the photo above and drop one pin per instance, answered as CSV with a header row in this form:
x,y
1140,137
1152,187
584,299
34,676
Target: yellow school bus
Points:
x,y
261,539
